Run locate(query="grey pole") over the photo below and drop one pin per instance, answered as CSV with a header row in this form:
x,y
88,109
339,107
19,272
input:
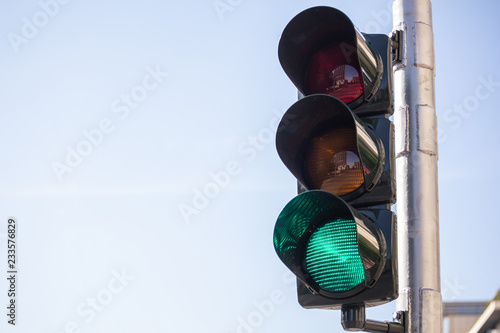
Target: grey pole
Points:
x,y
416,169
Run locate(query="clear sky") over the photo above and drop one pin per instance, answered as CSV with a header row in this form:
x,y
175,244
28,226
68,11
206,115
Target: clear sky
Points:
x,y
138,161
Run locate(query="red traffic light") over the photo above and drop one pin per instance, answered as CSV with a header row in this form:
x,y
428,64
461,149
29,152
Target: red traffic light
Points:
x,y
322,52
331,72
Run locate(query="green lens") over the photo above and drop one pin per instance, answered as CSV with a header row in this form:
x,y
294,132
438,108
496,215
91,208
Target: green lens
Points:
x,y
332,257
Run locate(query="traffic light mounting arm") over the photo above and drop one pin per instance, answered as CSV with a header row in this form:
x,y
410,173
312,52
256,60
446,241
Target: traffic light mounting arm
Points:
x,y
354,319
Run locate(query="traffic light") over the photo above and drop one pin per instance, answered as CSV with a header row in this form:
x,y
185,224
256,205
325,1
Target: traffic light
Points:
x,y
338,236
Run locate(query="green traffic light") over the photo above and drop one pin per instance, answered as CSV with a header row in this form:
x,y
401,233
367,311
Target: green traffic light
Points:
x,y
332,256
331,248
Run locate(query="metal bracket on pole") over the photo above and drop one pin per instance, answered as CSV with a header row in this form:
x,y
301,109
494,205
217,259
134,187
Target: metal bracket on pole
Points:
x,y
354,319
397,46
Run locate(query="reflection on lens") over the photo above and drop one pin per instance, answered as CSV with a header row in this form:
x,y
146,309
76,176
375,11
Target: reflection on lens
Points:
x,y
332,256
334,70
332,163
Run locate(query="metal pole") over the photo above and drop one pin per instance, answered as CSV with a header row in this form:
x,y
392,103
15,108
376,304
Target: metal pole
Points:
x,y
416,169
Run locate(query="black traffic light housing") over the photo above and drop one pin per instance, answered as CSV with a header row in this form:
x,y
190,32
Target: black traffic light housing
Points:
x,y
338,141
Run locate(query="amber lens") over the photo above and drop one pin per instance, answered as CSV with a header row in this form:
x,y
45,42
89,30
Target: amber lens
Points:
x,y
333,164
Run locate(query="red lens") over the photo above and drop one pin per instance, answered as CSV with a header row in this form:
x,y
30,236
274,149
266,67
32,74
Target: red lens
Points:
x,y
335,71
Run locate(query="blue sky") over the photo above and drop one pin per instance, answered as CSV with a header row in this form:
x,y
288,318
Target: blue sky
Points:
x,y
117,115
